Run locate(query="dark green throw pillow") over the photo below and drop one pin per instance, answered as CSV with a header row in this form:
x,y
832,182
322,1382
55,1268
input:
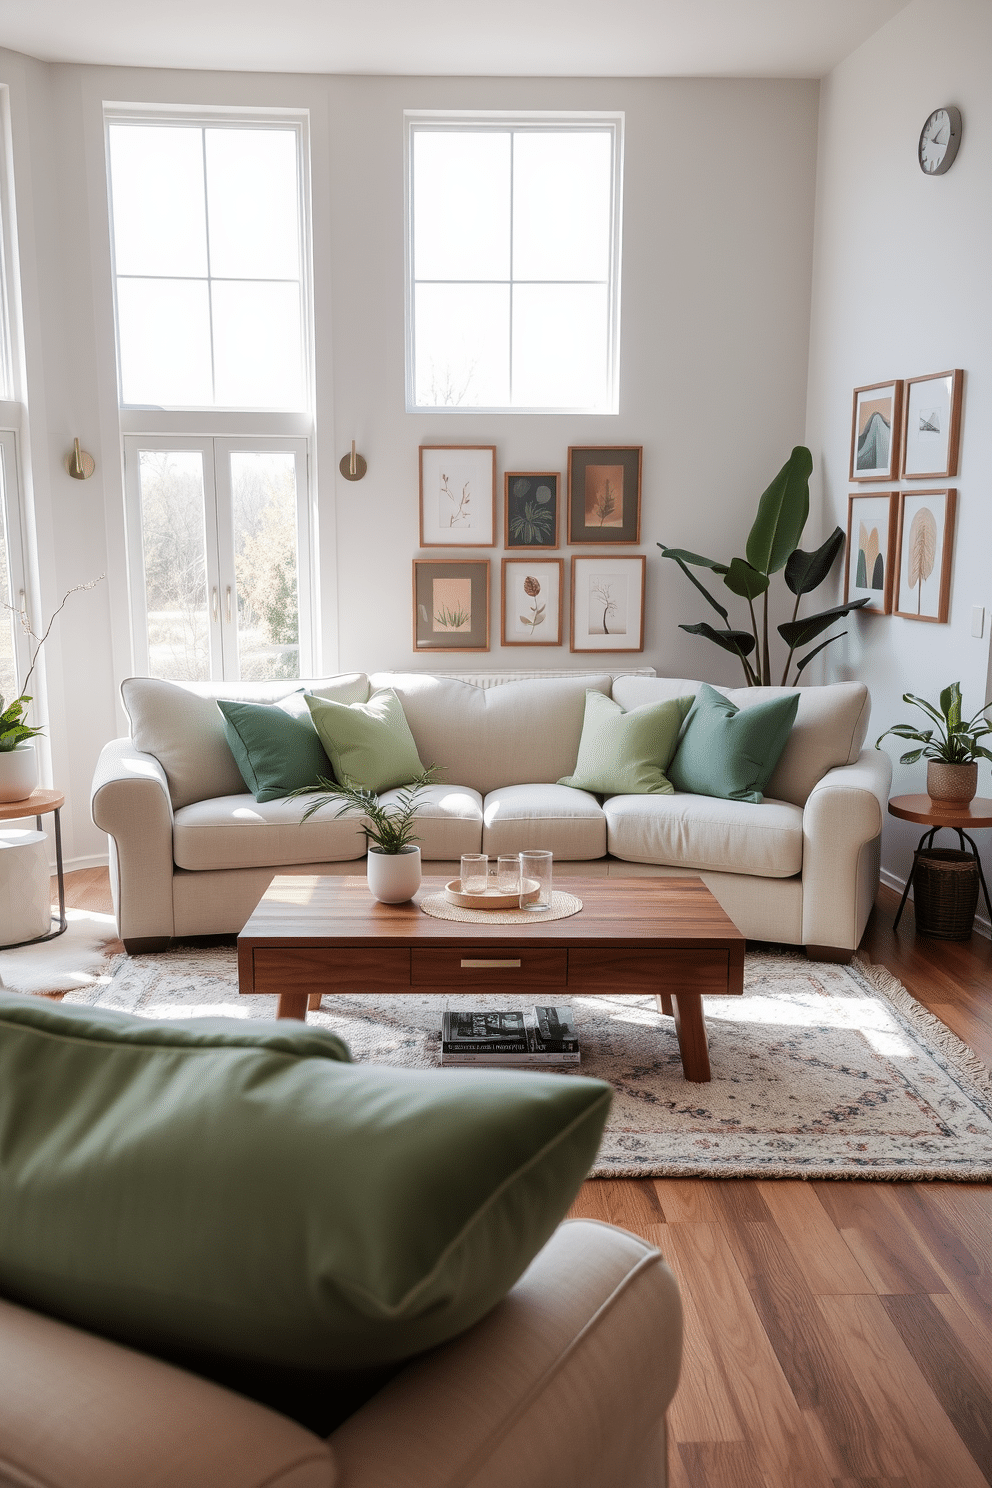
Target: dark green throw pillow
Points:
x,y
729,751
276,746
243,1192
627,753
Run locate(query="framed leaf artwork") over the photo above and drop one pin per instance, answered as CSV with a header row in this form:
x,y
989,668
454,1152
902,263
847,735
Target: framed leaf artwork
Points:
x,y
604,494
532,601
450,604
872,524
926,538
457,495
531,508
933,426
876,428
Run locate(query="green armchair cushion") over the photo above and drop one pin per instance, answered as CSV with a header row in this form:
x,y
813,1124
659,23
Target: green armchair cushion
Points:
x,y
627,753
729,751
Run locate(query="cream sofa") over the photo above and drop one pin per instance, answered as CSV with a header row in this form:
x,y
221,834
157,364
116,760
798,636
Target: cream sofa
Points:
x,y
566,1381
191,853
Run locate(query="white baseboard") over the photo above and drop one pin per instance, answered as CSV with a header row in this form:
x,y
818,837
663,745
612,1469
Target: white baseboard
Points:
x,y
72,865
982,924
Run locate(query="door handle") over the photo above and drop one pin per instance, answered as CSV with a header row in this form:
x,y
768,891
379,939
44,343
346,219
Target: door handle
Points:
x,y
228,604
475,964
213,601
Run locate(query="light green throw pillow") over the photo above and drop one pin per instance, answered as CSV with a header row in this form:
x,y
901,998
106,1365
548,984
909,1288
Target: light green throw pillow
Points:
x,y
241,1191
275,744
627,753
731,752
369,744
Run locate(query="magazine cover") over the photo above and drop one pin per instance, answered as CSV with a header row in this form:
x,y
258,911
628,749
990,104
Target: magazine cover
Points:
x,y
538,1036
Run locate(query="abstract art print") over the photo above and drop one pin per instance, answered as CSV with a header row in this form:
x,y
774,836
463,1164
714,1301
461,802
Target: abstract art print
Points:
x,y
926,537
875,429
608,603
450,605
457,495
604,494
871,545
532,601
933,425
531,508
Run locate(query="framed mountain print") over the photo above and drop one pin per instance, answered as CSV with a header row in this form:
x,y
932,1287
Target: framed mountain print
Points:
x,y
457,495
876,426
933,426
926,537
532,601
872,520
608,603
604,494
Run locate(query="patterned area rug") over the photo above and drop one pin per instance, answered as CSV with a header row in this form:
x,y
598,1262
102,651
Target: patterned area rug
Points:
x,y
819,1071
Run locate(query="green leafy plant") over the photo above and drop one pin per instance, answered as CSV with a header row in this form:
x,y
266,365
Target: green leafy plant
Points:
x,y
772,545
13,729
956,742
389,828
534,524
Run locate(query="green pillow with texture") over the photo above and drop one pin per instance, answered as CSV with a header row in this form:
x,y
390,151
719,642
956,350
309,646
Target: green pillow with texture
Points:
x,y
242,1192
627,753
729,751
369,744
276,745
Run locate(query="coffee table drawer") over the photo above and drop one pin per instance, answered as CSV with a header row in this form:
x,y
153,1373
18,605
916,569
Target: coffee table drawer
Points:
x,y
306,968
503,966
676,970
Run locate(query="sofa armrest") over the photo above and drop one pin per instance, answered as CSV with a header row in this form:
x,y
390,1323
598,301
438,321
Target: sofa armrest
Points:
x,y
130,801
567,1381
842,830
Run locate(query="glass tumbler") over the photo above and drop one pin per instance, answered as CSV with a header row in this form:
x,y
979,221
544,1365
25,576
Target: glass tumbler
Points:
x,y
535,868
475,873
508,874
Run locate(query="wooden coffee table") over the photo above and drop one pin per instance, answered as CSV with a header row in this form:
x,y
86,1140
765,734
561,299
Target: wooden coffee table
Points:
x,y
667,936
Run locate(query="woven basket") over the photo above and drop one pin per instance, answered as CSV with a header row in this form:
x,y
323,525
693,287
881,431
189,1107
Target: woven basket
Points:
x,y
945,893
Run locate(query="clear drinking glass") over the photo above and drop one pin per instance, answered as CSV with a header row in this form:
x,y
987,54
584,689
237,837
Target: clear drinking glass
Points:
x,y
535,868
508,874
475,873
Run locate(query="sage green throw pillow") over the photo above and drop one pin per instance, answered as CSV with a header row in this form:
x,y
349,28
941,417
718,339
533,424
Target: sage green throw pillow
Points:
x,y
368,744
729,751
276,745
243,1192
624,753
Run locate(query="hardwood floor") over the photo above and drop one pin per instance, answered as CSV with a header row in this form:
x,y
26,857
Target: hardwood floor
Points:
x,y
837,1334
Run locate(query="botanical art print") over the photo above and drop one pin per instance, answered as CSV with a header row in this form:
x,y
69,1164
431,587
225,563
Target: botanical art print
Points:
x,y
457,496
871,540
875,431
531,503
604,495
933,425
450,605
532,601
926,535
608,603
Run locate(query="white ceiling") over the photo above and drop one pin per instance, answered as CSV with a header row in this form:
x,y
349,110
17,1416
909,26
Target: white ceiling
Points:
x,y
538,38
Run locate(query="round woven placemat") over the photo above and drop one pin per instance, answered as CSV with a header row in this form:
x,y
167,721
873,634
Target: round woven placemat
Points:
x,y
562,905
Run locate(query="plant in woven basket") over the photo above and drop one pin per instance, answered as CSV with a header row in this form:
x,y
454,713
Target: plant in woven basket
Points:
x,y
390,829
956,741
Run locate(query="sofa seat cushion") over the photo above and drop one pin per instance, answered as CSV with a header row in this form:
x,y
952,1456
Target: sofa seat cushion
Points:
x,y
240,832
568,822
449,820
707,832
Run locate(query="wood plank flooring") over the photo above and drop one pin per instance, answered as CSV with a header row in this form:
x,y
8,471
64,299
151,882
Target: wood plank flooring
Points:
x,y
838,1334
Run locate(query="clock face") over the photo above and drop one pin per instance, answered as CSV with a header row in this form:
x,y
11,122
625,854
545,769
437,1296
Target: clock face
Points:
x,y
939,141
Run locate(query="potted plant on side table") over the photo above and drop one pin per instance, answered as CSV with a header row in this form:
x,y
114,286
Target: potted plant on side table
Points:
x,y
952,756
393,865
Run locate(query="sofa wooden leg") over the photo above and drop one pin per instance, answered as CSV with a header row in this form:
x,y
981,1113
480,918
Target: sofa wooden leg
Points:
x,y
145,943
828,953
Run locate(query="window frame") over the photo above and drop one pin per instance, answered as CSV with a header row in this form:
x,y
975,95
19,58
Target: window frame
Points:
x,y
491,121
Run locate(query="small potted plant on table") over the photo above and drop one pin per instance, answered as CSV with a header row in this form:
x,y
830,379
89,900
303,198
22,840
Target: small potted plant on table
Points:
x,y
952,751
393,865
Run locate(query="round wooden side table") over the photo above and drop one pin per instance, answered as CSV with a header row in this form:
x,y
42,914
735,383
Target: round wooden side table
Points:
x,y
936,815
38,804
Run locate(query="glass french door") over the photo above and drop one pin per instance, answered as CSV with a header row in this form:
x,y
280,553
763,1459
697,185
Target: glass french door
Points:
x,y
219,555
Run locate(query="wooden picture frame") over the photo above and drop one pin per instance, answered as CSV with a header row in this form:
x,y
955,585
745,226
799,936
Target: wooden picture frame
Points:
x,y
608,589
872,527
925,546
532,599
604,493
876,432
450,604
457,495
932,426
531,504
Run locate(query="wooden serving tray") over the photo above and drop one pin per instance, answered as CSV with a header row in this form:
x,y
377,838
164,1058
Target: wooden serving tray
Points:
x,y
490,898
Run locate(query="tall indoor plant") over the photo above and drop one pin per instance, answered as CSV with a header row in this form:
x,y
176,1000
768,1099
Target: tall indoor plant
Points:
x,y
393,865
952,757
772,545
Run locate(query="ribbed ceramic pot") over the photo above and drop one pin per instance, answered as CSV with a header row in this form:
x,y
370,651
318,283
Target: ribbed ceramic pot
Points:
x,y
393,877
958,783
18,772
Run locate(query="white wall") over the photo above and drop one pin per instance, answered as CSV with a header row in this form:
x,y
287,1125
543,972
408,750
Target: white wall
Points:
x,y
902,288
717,244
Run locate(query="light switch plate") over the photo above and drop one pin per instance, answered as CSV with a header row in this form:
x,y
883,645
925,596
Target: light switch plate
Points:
x,y
977,620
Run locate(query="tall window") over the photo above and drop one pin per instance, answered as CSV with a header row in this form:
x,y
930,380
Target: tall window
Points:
x,y
513,246
210,248
14,639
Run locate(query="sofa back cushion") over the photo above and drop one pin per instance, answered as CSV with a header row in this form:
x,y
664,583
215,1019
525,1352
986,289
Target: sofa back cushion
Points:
x,y
518,733
830,727
182,726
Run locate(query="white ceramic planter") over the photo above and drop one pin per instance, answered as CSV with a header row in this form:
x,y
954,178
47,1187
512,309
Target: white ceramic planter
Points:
x,y
393,877
18,772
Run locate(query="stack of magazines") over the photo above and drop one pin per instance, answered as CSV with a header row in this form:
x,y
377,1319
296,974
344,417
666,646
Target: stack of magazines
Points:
x,y
531,1036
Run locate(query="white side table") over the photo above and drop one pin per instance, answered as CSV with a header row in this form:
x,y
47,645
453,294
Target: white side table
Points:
x,y
19,915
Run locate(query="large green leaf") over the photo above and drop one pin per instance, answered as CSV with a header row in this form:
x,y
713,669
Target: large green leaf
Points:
x,y
683,556
798,632
782,513
739,642
671,553
744,580
806,571
950,704
804,661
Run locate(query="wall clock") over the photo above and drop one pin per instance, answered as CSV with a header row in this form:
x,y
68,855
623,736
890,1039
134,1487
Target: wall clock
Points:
x,y
939,140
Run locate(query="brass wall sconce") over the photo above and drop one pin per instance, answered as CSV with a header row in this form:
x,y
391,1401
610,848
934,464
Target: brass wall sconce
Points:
x,y
79,464
353,466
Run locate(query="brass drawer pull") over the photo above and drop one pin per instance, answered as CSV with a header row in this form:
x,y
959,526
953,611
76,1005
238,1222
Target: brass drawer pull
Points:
x,y
492,963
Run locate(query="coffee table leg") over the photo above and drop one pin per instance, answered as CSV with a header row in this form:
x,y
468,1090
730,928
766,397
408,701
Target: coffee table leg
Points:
x,y
293,1005
690,1026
